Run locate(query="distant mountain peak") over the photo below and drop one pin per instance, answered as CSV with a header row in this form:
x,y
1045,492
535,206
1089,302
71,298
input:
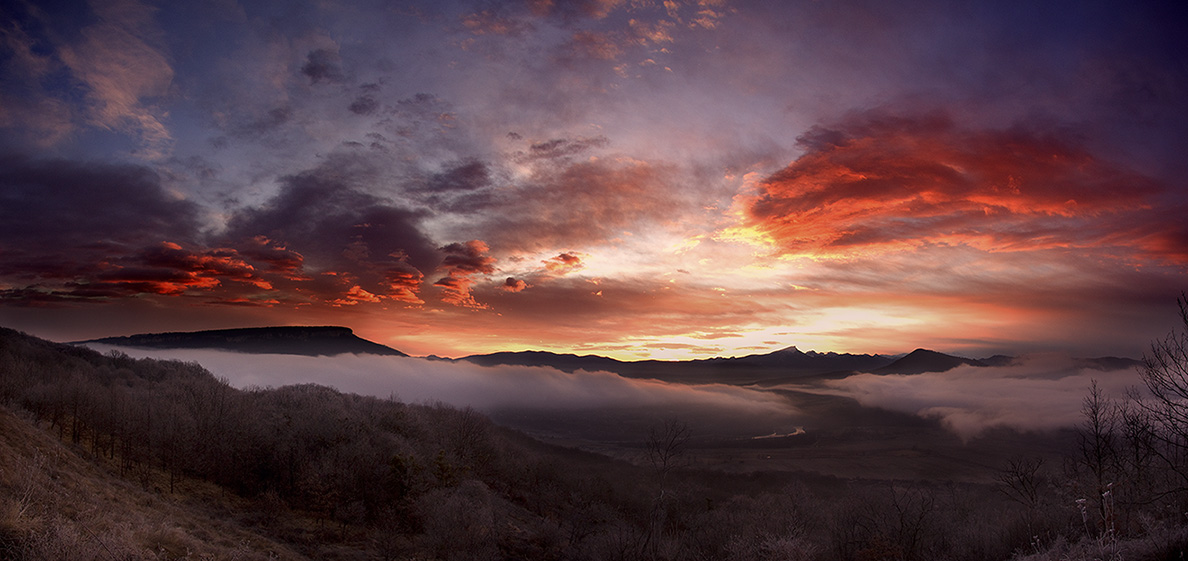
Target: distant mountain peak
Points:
x,y
923,360
320,340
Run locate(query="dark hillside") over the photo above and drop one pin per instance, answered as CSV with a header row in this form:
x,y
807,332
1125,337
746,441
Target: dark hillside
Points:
x,y
108,457
55,503
311,341
332,475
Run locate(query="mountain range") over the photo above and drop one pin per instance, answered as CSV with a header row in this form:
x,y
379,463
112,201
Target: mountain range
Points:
x,y
771,368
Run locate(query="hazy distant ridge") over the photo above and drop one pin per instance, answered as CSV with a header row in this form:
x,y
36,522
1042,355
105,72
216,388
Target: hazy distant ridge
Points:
x,y
300,340
784,365
920,361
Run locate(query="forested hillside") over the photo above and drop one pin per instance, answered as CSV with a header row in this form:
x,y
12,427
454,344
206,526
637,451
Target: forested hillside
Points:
x,y
108,457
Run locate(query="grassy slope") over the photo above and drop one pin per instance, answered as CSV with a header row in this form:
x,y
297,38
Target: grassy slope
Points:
x,y
56,504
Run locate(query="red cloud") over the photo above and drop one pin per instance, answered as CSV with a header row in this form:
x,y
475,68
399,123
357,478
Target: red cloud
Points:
x,y
167,269
883,183
209,265
274,257
462,261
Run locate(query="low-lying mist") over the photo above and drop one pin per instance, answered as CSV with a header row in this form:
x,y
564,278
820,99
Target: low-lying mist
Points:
x,y
1035,392
1038,392
534,395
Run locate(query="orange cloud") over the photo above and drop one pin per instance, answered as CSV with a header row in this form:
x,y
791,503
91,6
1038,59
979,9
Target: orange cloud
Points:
x,y
877,183
564,263
403,286
513,284
355,295
456,291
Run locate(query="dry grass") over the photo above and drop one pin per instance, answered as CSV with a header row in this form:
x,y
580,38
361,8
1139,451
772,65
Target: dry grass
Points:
x,y
57,504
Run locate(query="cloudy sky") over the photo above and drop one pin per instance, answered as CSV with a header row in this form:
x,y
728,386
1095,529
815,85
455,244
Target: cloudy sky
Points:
x,y
633,178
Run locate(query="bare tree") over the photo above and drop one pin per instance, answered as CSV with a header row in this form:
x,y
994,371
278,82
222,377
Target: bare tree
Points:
x,y
1096,446
666,446
1136,455
1165,375
1021,481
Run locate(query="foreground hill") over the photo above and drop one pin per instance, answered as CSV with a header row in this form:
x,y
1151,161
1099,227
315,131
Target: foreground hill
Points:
x,y
107,457
301,340
57,503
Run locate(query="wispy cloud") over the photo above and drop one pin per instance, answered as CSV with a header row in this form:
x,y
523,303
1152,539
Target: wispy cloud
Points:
x,y
125,72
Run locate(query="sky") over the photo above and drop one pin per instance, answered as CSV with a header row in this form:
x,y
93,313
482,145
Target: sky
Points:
x,y
631,178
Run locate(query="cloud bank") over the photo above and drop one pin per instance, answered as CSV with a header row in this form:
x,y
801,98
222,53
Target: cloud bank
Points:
x,y
1036,392
878,182
463,384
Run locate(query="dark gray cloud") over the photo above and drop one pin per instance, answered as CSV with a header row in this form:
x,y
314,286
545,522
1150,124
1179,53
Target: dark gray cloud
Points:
x,y
463,187
69,221
464,176
364,105
563,148
469,257
49,204
71,231
323,65
324,215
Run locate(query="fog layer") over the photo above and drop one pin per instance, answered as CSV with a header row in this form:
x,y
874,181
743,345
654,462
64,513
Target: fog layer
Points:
x,y
1036,392
464,384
